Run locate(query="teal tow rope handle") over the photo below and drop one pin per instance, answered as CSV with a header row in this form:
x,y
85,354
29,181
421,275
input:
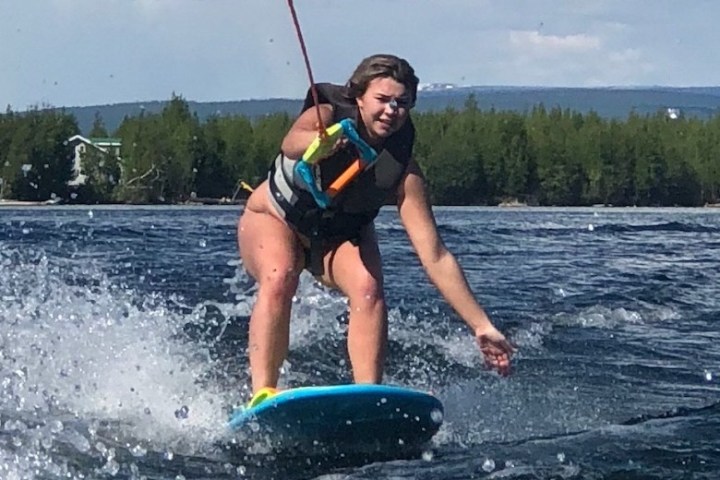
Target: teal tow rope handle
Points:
x,y
304,169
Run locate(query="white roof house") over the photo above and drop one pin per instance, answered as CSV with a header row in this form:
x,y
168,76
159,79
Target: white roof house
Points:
x,y
110,146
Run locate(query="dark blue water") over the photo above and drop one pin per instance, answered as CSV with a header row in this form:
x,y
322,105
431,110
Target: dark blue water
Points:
x,y
124,334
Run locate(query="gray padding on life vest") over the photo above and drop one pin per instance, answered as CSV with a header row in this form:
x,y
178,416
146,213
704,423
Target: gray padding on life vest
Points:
x,y
276,205
280,179
288,167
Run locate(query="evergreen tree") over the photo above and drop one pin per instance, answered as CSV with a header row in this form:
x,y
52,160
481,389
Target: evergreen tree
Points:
x,y
7,130
140,178
240,160
98,129
268,133
39,159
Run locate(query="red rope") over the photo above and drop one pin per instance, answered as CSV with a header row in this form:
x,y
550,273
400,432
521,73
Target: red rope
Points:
x,y
313,90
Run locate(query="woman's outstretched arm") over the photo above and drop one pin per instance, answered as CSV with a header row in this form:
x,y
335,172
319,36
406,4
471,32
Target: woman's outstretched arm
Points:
x,y
445,272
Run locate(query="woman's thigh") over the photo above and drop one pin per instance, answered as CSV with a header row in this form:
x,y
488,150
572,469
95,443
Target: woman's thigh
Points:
x,y
356,268
268,246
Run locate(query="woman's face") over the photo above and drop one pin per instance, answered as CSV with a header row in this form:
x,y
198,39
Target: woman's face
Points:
x,y
383,107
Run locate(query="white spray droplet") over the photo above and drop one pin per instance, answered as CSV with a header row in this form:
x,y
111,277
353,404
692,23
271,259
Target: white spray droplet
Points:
x,y
436,415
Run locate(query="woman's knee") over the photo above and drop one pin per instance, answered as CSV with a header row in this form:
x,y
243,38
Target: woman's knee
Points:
x,y
366,291
278,283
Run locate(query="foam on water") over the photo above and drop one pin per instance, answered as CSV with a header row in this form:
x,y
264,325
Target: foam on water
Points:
x,y
100,379
599,316
78,352
314,313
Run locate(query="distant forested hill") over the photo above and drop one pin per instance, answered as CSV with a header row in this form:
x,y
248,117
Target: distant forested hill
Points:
x,y
702,102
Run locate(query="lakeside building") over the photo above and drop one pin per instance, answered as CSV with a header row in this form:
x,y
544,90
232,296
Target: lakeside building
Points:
x,y
83,145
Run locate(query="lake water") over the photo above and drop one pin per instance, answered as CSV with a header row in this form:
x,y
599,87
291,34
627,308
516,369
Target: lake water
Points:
x,y
123,336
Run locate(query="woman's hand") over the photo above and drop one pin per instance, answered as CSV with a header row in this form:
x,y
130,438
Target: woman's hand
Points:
x,y
304,131
330,146
495,348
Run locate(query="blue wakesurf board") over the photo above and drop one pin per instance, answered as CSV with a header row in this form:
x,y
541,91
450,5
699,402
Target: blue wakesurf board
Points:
x,y
345,419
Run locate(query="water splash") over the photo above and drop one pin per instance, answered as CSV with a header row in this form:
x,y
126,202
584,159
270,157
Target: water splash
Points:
x,y
80,355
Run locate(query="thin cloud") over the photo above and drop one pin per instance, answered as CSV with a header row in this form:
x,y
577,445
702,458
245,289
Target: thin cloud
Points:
x,y
553,44
210,50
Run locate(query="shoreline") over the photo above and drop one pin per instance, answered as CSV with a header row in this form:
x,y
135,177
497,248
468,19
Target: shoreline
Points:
x,y
52,203
225,203
26,203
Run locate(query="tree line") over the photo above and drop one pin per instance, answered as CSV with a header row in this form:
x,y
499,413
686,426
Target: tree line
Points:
x,y
471,156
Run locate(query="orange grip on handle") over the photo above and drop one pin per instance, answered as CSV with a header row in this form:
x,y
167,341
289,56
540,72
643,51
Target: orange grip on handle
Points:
x,y
346,177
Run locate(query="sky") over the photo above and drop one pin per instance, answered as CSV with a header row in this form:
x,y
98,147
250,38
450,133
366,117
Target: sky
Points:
x,y
97,52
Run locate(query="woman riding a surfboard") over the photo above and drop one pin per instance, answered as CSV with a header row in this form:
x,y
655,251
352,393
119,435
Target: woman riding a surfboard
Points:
x,y
293,221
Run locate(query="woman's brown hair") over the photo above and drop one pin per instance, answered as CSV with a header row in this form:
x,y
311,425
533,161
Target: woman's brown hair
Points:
x,y
383,66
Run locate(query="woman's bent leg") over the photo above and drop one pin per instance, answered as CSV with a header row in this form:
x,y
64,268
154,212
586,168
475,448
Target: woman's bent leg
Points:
x,y
356,270
272,256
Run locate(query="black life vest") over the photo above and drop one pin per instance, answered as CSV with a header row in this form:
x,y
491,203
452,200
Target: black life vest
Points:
x,y
359,203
